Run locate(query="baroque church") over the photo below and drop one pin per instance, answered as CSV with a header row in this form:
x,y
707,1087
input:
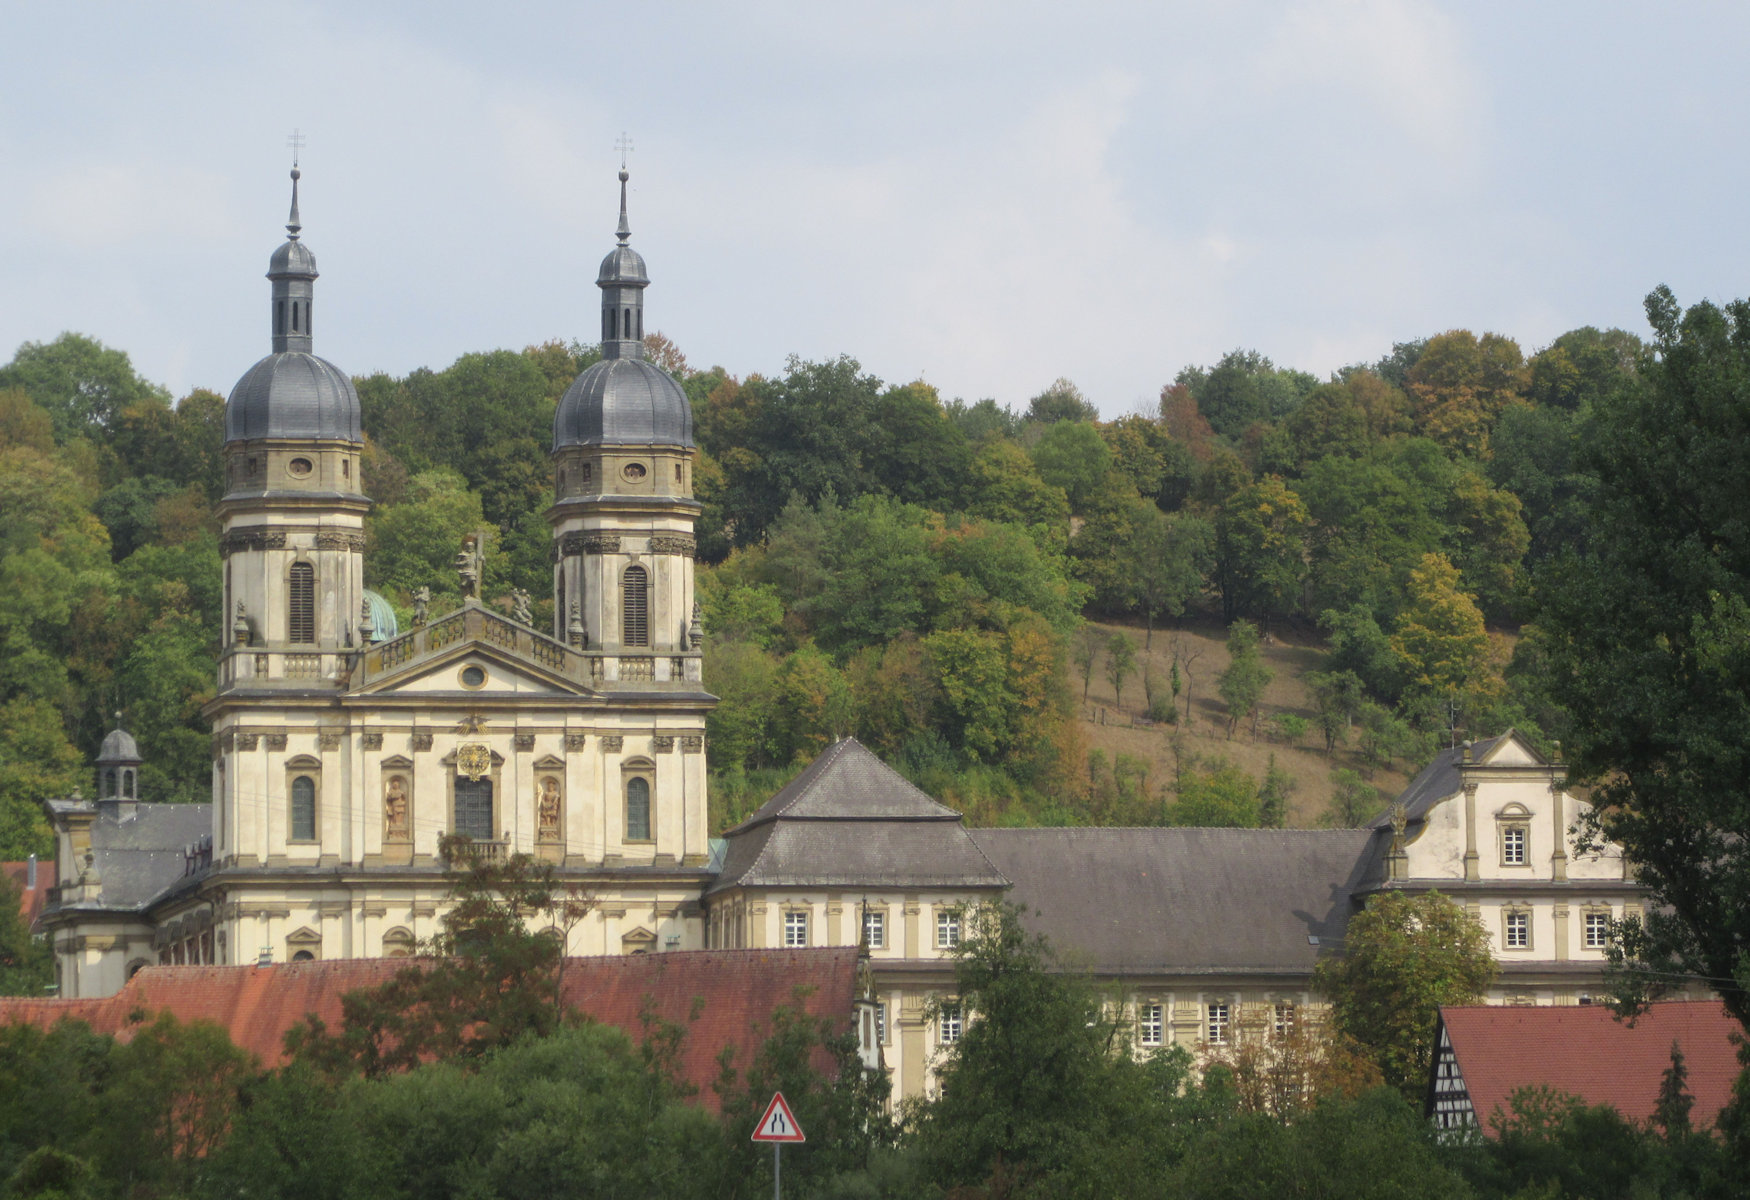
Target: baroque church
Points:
x,y
346,748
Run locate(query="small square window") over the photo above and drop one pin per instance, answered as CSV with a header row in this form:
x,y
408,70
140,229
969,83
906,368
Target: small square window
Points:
x,y
795,929
1218,1023
1513,846
1597,930
1282,1023
1150,1024
1518,931
949,1023
875,930
947,930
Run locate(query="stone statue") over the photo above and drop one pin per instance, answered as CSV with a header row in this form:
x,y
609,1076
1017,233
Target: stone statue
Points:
x,y
395,806
421,605
574,631
468,566
240,627
519,606
549,805
367,629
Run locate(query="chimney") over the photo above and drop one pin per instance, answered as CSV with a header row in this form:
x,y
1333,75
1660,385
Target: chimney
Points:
x,y
266,958
30,873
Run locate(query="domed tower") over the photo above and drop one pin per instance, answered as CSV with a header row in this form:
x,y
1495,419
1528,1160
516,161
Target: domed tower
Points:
x,y
118,765
624,509
293,515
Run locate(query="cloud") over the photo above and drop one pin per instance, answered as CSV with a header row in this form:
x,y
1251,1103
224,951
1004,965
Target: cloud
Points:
x,y
89,206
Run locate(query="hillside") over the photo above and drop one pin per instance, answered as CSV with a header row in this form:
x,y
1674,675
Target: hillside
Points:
x,y
1124,728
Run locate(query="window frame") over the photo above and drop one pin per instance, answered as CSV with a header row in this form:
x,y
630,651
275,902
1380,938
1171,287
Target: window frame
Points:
x,y
948,928
489,783
950,1024
1151,1023
294,803
635,606
1217,1022
794,929
1515,920
1283,1015
877,941
1599,919
639,780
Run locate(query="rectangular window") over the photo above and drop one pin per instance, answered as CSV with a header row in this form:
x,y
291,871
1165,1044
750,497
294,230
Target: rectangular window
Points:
x,y
947,930
1218,1023
1513,847
1518,931
1283,1023
881,1022
1597,930
875,930
950,1024
1150,1024
795,929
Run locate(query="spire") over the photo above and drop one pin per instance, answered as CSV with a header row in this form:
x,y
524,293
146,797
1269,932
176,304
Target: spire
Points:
x,y
624,233
294,225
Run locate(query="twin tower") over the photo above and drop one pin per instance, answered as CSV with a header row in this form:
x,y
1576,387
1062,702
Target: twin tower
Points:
x,y
347,748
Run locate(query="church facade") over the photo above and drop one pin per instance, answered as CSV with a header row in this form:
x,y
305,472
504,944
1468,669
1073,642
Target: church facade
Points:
x,y
345,749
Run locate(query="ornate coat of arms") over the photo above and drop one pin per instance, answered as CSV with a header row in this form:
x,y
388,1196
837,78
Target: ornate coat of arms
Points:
x,y
473,759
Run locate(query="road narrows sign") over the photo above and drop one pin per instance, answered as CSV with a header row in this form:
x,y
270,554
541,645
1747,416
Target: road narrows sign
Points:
x,y
779,1123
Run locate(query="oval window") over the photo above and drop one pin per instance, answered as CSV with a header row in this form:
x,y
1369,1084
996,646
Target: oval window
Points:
x,y
634,471
300,467
473,677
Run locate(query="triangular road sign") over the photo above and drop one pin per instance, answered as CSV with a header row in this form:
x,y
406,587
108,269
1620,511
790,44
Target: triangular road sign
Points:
x,y
779,1123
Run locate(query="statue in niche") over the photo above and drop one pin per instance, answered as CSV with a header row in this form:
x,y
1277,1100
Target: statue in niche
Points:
x,y
395,806
548,806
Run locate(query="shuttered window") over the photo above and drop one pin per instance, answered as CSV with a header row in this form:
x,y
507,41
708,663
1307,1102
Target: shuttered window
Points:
x,y
635,607
301,606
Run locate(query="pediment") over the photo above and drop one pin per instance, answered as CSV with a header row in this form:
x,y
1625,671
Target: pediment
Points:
x,y
474,669
549,762
1513,751
512,659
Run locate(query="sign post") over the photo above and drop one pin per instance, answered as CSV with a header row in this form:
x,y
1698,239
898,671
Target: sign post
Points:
x,y
777,1127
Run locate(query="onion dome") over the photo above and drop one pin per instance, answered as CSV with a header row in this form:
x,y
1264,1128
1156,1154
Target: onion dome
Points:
x,y
291,393
384,624
624,399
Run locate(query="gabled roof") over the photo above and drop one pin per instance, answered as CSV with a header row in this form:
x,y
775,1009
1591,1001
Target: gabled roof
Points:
x,y
851,821
1441,777
1585,1051
1171,900
256,1005
849,783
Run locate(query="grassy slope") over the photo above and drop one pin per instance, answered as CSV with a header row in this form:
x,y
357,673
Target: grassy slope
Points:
x,y
1122,727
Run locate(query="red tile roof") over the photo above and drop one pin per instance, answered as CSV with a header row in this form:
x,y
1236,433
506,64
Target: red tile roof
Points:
x,y
739,990
1584,1050
31,901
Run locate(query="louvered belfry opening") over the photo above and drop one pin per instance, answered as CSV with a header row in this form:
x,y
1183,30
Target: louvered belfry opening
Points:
x,y
301,606
635,607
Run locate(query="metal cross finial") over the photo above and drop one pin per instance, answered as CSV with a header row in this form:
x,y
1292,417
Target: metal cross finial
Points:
x,y
296,142
624,146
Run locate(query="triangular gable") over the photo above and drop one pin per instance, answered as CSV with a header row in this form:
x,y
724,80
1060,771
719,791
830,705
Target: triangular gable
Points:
x,y
504,674
1511,750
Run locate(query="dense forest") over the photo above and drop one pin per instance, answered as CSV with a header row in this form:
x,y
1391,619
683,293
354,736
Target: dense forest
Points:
x,y
874,560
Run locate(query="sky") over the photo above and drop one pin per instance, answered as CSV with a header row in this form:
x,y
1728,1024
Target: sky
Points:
x,y
984,196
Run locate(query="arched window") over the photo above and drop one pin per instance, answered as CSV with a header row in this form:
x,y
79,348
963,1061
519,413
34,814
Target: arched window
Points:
x,y
110,787
637,809
301,605
129,790
303,809
294,316
474,809
635,607
279,316
610,323
627,325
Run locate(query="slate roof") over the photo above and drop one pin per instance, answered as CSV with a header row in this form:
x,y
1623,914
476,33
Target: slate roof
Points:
x,y
1185,901
139,855
850,820
256,1005
1585,1051
1438,780
293,394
